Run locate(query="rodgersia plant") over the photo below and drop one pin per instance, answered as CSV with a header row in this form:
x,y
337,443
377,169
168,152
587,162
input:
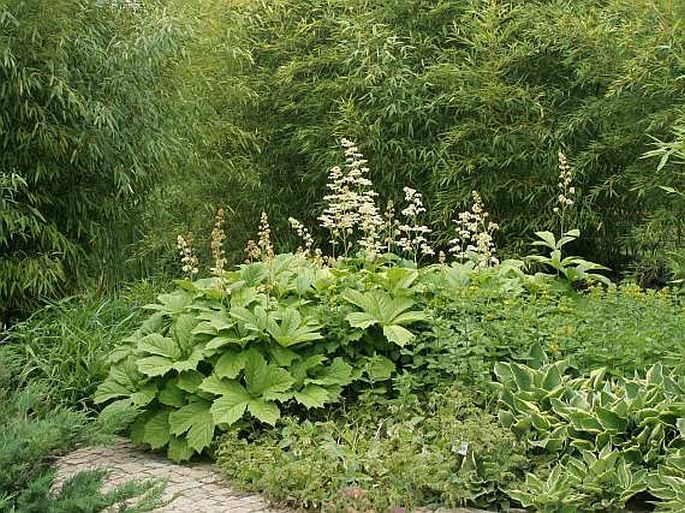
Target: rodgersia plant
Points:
x,y
413,239
262,249
352,213
474,238
217,243
189,260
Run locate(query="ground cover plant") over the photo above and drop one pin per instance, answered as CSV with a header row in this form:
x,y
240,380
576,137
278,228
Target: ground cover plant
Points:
x,y
33,433
345,368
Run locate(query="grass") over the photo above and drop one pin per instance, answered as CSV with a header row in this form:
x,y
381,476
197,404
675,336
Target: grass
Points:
x,y
50,365
63,346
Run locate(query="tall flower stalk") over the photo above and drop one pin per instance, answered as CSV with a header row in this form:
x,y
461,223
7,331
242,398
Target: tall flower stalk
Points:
x,y
566,191
217,243
413,240
189,260
351,213
474,238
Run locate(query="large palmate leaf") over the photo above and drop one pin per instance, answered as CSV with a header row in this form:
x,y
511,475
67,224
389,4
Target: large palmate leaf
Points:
x,y
379,307
172,304
264,384
253,320
156,430
196,421
166,354
125,383
265,380
287,327
234,400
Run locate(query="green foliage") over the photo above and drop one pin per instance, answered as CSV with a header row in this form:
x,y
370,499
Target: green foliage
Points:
x,y
85,131
662,235
455,96
576,270
268,336
63,347
601,437
32,433
668,485
596,483
482,318
377,454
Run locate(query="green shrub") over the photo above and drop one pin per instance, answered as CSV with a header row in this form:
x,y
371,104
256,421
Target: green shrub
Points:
x,y
455,96
376,454
86,129
282,332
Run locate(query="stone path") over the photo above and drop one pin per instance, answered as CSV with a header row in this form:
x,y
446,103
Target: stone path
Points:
x,y
198,487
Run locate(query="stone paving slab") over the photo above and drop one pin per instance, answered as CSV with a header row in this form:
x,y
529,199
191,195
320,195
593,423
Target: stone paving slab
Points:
x,y
199,488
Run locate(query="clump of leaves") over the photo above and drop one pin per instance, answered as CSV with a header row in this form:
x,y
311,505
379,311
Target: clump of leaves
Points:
x,y
253,342
602,435
412,451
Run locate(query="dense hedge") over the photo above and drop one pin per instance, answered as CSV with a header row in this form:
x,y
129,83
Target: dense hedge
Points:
x,y
84,131
452,96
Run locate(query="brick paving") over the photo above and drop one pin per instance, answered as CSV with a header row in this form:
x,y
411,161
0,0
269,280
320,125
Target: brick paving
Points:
x,y
198,487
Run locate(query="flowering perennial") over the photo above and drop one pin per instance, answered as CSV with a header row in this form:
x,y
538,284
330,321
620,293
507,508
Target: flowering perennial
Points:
x,y
413,238
188,257
352,212
474,235
567,191
217,243
304,235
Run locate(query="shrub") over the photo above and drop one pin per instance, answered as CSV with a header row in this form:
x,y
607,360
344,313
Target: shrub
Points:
x,y
460,96
282,332
78,154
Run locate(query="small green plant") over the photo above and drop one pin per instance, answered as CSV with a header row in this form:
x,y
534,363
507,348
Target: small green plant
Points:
x,y
574,269
603,482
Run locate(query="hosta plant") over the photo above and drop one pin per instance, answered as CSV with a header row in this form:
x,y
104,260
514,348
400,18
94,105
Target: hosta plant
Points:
x,y
668,484
623,426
